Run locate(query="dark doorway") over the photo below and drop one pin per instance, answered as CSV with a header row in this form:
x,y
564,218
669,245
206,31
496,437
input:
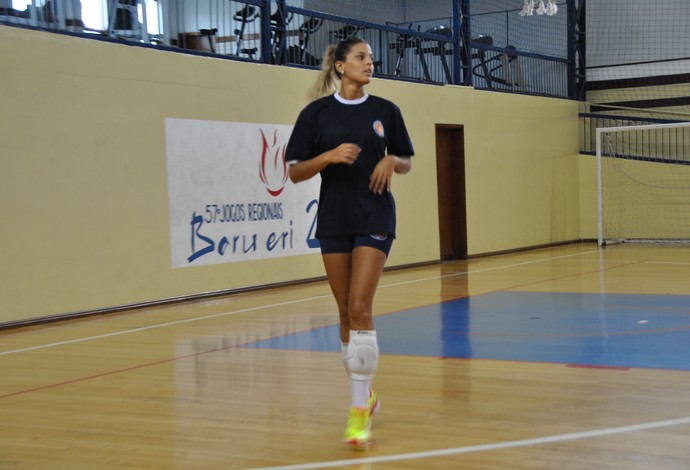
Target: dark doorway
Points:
x,y
452,209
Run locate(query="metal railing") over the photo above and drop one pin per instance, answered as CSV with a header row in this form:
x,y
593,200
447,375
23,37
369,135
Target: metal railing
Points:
x,y
248,31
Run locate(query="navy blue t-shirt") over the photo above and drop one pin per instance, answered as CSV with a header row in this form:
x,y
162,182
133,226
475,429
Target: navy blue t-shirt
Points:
x,y
346,204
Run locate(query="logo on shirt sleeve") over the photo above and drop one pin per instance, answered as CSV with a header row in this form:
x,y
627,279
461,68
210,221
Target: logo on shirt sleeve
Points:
x,y
378,128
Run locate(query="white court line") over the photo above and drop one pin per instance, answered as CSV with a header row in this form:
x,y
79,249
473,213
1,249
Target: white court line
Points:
x,y
495,268
668,262
485,447
159,325
260,307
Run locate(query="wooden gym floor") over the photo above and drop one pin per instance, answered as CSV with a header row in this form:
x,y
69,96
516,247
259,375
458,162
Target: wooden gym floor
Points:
x,y
569,357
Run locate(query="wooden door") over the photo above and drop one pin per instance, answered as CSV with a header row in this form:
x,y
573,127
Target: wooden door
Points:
x,y
452,211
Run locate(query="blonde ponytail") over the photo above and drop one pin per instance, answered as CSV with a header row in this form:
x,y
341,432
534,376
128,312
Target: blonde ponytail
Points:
x,y
326,82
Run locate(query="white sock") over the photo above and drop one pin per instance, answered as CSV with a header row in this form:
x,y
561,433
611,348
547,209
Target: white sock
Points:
x,y
360,393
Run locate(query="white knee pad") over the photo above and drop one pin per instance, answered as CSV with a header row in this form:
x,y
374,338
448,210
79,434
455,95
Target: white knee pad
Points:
x,y
362,355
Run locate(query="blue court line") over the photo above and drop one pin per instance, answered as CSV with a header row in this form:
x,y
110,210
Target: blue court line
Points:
x,y
597,330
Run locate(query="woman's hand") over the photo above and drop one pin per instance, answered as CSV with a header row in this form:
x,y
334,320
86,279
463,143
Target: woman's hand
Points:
x,y
380,179
343,153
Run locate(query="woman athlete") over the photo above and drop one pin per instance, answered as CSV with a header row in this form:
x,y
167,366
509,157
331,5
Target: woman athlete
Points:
x,y
356,142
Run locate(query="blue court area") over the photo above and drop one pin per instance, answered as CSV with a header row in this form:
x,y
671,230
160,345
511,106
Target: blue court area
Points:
x,y
597,330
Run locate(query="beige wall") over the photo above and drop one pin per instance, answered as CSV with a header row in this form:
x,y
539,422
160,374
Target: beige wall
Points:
x,y
83,181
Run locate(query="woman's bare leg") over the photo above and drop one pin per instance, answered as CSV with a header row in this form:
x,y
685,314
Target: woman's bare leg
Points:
x,y
367,266
339,272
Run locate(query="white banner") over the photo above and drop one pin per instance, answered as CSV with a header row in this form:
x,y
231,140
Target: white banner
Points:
x,y
230,196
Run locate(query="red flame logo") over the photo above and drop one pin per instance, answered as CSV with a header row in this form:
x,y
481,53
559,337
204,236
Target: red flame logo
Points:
x,y
273,170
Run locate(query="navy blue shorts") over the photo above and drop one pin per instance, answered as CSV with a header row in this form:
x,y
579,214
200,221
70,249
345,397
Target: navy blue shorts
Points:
x,y
347,243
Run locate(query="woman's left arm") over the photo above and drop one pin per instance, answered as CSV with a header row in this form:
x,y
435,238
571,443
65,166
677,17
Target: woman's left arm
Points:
x,y
380,179
402,164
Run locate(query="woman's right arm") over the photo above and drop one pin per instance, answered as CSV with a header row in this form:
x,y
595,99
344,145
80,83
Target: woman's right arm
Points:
x,y
344,153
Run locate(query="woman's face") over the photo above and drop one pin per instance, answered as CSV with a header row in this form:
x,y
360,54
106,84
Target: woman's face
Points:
x,y
358,66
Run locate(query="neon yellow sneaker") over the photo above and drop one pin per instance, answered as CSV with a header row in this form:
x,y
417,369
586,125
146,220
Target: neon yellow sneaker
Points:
x,y
358,431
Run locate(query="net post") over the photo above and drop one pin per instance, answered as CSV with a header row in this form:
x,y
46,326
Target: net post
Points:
x,y
600,206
